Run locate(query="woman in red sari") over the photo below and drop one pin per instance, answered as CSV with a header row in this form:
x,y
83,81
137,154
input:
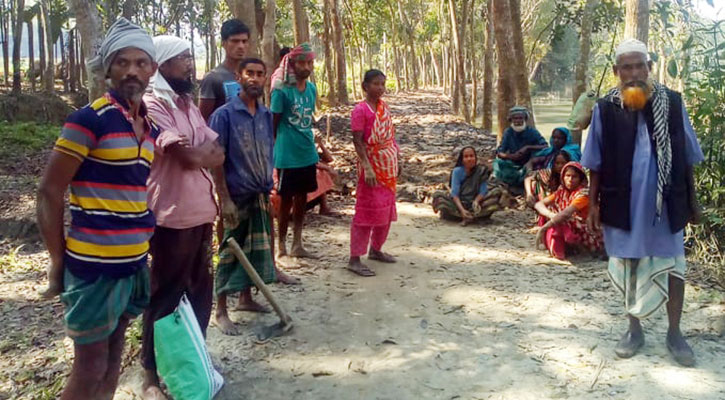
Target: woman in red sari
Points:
x,y
374,138
566,210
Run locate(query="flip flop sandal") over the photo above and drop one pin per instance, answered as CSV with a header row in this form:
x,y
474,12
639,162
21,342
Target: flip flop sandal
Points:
x,y
362,271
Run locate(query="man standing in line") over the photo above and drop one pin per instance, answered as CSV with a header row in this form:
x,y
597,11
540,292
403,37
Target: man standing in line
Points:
x,y
104,154
640,150
181,245
243,185
295,154
220,84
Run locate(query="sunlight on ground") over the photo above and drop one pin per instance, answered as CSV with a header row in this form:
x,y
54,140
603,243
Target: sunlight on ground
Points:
x,y
692,381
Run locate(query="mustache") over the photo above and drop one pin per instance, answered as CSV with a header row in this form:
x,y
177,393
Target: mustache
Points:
x,y
132,80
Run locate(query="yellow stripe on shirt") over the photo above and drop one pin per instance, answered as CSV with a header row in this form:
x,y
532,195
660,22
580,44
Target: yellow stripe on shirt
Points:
x,y
72,146
91,249
94,203
124,153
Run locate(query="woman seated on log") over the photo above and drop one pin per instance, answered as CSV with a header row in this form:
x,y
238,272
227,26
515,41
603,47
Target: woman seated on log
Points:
x,y
541,183
566,210
469,198
560,140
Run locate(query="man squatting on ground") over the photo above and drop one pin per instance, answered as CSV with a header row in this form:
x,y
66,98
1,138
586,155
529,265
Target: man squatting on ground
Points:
x,y
640,150
243,184
181,246
104,153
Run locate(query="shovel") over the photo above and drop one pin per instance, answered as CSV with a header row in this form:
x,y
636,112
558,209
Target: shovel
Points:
x,y
285,323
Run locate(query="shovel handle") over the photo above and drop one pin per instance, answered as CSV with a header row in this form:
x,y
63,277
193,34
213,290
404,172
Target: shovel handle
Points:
x,y
237,251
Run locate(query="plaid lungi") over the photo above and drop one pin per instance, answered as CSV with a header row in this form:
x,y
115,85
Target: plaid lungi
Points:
x,y
254,237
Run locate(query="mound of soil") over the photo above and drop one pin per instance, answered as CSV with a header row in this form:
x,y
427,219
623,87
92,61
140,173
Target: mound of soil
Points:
x,y
37,107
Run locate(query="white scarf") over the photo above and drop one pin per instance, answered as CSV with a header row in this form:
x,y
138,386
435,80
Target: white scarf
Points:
x,y
167,47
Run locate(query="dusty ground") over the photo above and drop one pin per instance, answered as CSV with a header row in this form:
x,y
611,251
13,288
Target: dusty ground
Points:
x,y
466,313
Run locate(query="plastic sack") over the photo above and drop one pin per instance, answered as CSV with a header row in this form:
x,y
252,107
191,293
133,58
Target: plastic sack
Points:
x,y
182,360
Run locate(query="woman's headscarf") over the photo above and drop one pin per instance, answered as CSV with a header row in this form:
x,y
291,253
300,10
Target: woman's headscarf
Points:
x,y
285,73
563,196
570,147
578,167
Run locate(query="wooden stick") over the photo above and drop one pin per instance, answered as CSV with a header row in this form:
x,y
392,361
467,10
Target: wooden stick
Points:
x,y
234,246
596,377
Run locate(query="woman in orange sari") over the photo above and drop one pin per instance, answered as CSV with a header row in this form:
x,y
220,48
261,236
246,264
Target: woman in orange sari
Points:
x,y
374,138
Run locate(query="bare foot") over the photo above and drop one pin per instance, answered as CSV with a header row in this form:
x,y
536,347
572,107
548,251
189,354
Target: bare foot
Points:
x,y
281,250
356,266
251,305
381,256
225,324
52,291
299,251
327,211
286,279
153,392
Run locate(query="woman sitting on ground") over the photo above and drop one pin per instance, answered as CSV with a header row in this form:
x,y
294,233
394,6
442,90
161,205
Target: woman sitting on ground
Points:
x,y
560,140
469,198
541,183
566,211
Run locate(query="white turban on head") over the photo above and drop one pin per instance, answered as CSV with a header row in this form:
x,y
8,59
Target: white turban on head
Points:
x,y
167,47
631,46
120,35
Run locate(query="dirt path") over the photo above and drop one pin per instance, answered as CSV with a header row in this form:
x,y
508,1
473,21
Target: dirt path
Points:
x,y
467,313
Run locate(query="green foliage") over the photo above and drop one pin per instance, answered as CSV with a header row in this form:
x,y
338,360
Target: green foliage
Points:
x,y
25,138
705,94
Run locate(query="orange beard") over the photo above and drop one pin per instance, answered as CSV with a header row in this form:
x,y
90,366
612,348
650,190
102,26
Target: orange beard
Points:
x,y
634,97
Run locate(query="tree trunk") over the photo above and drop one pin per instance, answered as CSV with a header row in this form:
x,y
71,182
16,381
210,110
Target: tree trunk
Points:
x,y
329,63
411,69
268,30
17,16
49,74
458,26
637,20
246,12
473,67
129,9
88,22
355,86
193,53
585,42
4,34
301,25
72,59
436,68
521,73
32,70
339,44
41,48
488,70
506,91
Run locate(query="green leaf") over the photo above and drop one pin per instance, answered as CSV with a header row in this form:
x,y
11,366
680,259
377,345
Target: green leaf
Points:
x,y
688,43
672,68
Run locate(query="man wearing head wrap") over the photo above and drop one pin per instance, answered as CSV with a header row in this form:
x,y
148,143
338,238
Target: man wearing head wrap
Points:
x,y
104,154
519,142
181,246
295,153
640,150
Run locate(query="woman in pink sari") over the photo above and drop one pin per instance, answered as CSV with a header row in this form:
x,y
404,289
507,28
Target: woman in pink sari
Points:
x,y
374,138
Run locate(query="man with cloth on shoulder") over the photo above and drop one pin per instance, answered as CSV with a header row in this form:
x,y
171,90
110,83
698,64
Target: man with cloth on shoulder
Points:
x,y
640,150
181,195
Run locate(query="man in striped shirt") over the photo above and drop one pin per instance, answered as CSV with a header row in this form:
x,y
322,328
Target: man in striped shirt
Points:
x,y
104,154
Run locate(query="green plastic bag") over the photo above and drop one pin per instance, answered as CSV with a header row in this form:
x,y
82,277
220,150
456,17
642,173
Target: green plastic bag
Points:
x,y
182,360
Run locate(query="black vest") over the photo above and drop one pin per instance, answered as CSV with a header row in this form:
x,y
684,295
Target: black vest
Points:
x,y
619,131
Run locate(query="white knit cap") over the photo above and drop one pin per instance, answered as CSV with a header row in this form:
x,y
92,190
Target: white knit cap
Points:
x,y
631,46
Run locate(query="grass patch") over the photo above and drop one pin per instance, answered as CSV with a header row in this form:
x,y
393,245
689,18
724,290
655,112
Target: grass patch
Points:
x,y
22,139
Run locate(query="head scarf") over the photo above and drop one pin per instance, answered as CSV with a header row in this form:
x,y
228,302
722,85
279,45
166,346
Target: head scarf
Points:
x,y
285,73
167,47
515,110
563,196
120,35
570,147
